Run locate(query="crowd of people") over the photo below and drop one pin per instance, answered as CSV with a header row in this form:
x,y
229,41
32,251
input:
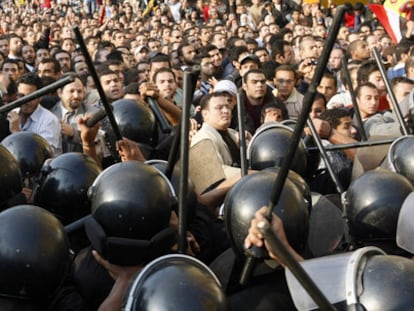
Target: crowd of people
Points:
x,y
259,56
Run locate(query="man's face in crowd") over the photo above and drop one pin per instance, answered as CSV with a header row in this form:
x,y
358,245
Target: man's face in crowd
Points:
x,y
92,46
272,114
23,90
64,61
335,59
327,87
219,41
112,86
205,35
154,46
47,70
402,90
345,126
167,85
120,39
16,45
362,52
207,67
263,55
158,65
81,67
376,79
72,95
176,36
188,54
28,54
368,101
12,70
308,48
318,106
218,113
119,70
41,54
68,45
255,85
285,83
4,47
216,56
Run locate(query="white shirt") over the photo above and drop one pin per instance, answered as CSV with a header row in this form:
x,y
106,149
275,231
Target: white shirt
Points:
x,y
47,125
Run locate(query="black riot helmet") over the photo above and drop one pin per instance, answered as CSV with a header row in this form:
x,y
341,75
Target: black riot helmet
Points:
x,y
136,121
34,253
250,194
366,279
30,150
270,144
299,182
374,201
64,185
11,180
176,282
131,209
400,156
191,198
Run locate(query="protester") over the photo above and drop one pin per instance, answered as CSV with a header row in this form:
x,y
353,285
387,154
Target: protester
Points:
x,y
143,51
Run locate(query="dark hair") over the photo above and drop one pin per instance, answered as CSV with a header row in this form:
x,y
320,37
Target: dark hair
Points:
x,y
333,116
235,52
115,55
205,100
278,48
104,70
319,96
403,47
252,71
161,70
10,61
277,104
286,68
56,64
397,80
30,79
181,47
365,70
359,88
132,88
58,51
330,76
209,48
159,58
268,69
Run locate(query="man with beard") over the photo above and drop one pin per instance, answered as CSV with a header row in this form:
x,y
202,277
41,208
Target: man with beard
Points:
x,y
15,46
217,59
29,57
64,59
206,74
186,54
70,108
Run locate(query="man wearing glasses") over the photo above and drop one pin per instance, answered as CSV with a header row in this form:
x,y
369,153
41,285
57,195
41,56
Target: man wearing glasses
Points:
x,y
284,81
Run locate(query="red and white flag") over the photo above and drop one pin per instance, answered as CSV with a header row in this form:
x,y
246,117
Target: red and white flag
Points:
x,y
389,19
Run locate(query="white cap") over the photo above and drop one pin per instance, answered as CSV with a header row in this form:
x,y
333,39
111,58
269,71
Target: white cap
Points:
x,y
226,86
